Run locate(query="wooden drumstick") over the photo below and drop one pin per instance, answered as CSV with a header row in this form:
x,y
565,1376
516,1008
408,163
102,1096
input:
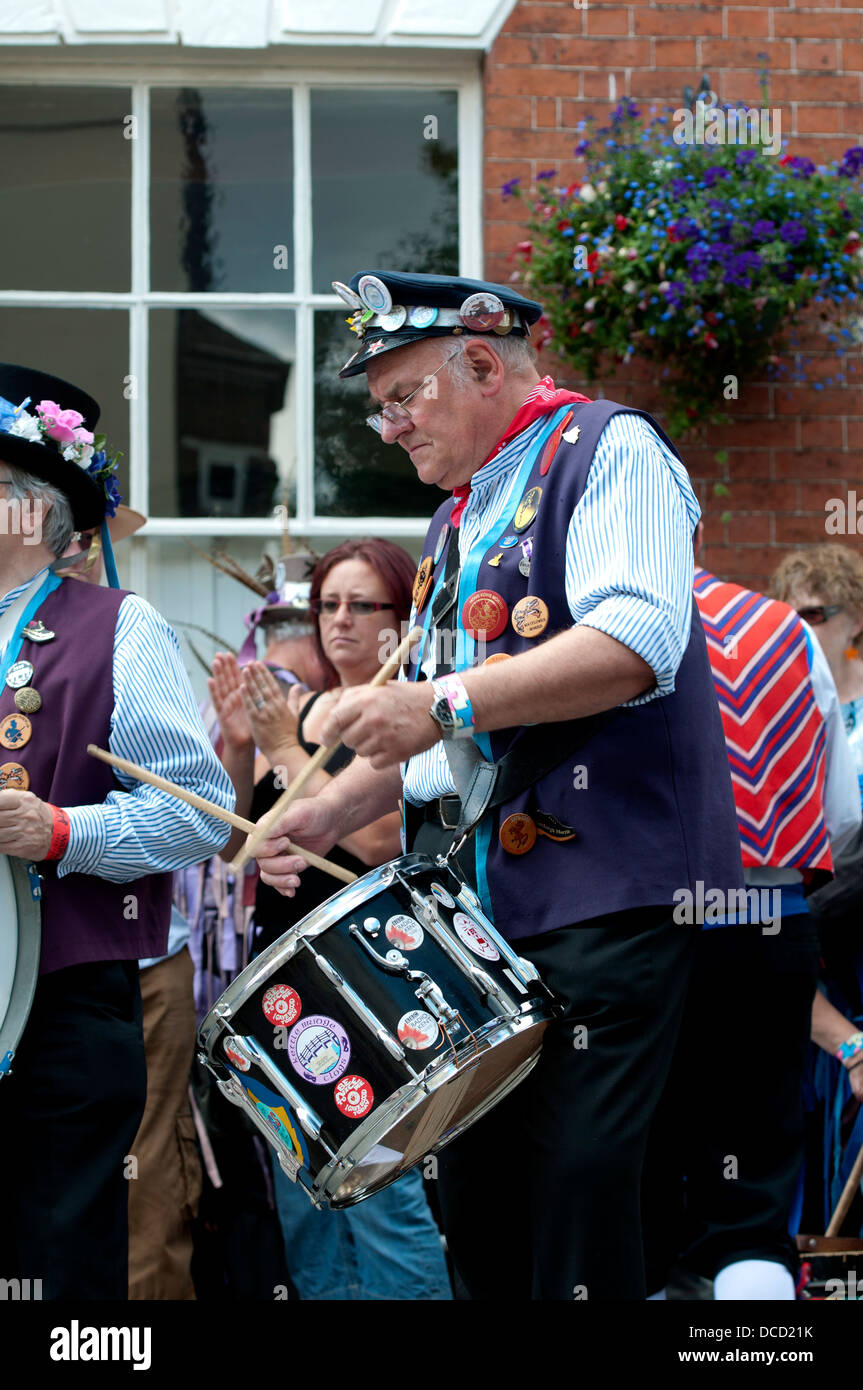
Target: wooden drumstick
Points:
x,y
143,774
275,813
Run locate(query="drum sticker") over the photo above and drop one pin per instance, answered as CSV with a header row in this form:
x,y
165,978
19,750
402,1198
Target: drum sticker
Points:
x,y
233,1054
405,932
473,938
442,895
280,1119
319,1049
354,1096
281,1005
418,1030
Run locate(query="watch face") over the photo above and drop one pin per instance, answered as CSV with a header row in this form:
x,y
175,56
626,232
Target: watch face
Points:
x,y
442,714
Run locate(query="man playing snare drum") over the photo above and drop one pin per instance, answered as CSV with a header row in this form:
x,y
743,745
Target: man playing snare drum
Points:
x,y
555,592
81,664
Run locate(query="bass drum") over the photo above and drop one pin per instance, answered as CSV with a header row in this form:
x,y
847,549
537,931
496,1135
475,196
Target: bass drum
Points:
x,y
377,1029
20,943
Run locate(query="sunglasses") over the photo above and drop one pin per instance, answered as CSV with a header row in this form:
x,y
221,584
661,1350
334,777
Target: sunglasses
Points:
x,y
358,607
816,616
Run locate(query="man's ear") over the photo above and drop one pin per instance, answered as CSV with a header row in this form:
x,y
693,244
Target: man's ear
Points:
x,y
485,365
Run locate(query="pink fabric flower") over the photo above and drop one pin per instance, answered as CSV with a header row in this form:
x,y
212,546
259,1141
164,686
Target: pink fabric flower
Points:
x,y
83,436
59,424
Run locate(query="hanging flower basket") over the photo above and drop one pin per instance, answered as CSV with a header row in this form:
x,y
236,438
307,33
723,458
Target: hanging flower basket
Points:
x,y
696,256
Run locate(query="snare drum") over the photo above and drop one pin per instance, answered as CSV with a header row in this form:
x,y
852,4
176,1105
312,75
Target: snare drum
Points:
x,y
377,1029
20,943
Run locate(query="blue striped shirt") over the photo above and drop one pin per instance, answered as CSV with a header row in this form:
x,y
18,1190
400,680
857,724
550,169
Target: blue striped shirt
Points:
x,y
155,722
629,560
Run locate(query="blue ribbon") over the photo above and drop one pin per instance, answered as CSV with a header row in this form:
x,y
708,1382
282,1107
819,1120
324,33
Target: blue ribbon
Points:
x,y
108,552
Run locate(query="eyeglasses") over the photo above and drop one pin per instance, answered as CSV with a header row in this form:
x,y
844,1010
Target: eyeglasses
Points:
x,y
358,607
394,411
816,616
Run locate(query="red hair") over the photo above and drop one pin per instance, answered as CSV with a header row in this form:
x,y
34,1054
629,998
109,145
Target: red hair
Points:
x,y
393,566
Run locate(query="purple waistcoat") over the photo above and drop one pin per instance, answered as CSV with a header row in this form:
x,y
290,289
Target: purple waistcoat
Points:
x,y
657,812
84,918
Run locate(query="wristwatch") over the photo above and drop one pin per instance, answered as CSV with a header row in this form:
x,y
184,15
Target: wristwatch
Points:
x,y
451,708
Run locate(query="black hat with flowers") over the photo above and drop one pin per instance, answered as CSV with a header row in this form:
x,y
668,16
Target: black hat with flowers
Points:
x,y
46,429
392,309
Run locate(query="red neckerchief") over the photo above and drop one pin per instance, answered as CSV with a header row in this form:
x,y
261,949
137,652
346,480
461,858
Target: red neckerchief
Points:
x,y
544,399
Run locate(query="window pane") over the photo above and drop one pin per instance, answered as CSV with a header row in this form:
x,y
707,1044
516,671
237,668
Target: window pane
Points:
x,y
222,190
65,188
356,474
383,195
222,412
88,347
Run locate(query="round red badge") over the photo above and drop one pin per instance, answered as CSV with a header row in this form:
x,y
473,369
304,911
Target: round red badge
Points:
x,y
354,1097
281,1005
484,615
517,834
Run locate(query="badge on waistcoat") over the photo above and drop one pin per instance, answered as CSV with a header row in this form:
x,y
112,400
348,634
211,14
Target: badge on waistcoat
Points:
x,y
553,445
484,615
440,543
497,559
524,562
527,509
530,616
13,777
15,731
554,829
422,583
37,632
28,700
517,835
19,674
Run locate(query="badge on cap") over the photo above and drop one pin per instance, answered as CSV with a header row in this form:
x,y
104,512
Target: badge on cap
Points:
x,y
481,312
28,700
15,731
517,834
347,295
554,829
422,316
38,632
422,583
440,543
394,319
374,294
19,674
530,616
527,509
13,777
484,615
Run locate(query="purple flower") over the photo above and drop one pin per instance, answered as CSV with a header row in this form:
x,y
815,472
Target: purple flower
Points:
x,y
679,188
582,147
744,157
713,173
545,174
801,167
508,188
675,293
113,495
763,229
852,162
686,229
792,232
739,269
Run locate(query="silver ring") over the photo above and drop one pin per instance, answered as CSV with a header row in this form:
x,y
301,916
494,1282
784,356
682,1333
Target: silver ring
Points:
x,y
259,704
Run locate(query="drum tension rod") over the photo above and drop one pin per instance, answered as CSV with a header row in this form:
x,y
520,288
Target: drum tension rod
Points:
x,y
428,993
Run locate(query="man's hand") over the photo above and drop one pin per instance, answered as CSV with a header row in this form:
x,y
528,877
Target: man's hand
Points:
x,y
386,725
25,825
310,824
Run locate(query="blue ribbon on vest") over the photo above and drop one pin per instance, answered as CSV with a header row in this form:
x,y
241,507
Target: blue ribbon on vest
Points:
x,y
108,553
10,656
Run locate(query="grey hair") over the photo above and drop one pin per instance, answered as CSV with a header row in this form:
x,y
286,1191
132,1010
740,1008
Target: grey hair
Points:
x,y
516,354
286,632
56,523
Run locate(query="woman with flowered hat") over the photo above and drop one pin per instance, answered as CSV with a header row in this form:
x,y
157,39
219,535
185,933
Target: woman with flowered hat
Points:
x,y
82,664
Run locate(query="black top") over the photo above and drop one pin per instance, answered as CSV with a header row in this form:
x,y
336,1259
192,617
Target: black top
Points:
x,y
274,913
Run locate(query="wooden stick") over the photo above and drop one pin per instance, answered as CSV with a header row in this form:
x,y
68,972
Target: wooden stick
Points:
x,y
142,774
323,755
847,1197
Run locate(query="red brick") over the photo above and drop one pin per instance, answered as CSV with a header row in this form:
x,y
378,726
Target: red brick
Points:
x,y
821,55
815,496
595,83
516,49
681,21
510,211
826,87
749,23
798,25
508,111
544,19
798,530
602,53
599,20
742,53
545,112
832,400
539,82
855,442
769,432
530,144
851,118
675,53
794,463
499,237
753,400
821,434
761,496
823,120
852,57
664,83
745,529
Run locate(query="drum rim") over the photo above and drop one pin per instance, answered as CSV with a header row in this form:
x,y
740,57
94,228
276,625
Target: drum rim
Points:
x,y
28,904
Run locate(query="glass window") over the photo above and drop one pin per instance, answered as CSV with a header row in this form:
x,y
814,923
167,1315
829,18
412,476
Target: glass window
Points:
x,y
221,201
222,411
356,474
65,189
88,347
384,182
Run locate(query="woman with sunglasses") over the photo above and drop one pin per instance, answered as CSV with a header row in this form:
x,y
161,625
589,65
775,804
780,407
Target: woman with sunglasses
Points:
x,y
388,1246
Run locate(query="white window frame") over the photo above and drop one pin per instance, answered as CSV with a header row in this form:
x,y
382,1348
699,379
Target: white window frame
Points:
x,y
356,68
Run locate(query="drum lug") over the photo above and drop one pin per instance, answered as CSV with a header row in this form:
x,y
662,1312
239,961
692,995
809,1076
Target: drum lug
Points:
x,y
429,994
223,1011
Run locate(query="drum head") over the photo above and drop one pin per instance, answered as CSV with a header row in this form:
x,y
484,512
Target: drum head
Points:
x,y
20,940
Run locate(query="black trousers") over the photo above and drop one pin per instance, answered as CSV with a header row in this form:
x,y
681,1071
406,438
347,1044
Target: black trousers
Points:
x,y
540,1198
725,1152
69,1113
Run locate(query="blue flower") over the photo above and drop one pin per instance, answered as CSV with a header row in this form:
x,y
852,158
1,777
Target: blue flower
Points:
x,y
581,148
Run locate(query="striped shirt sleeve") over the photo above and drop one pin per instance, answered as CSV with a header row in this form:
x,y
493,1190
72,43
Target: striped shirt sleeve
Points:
x,y
629,559
155,723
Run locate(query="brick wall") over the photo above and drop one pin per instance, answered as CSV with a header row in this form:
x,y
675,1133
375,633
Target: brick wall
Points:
x,y
790,447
